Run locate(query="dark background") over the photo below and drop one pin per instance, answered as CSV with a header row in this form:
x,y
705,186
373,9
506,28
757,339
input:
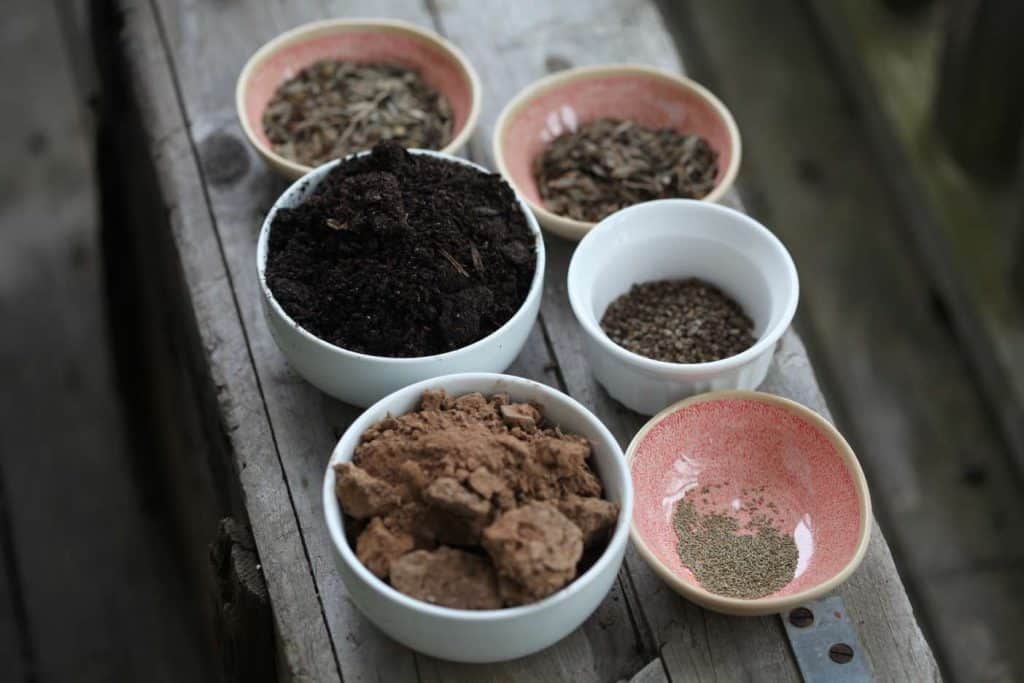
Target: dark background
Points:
x,y
881,142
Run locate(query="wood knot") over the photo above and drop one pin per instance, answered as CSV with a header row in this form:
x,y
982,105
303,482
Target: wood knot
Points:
x,y
224,158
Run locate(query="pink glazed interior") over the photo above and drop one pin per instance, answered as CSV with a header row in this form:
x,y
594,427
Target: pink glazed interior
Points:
x,y
742,444
649,99
379,44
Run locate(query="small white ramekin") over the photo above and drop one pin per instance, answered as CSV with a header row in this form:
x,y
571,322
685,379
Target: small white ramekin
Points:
x,y
486,635
679,238
361,379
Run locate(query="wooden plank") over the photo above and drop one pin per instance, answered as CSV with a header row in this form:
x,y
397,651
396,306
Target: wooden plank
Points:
x,y
306,651
609,32
306,423
654,672
965,229
15,650
901,390
97,589
697,645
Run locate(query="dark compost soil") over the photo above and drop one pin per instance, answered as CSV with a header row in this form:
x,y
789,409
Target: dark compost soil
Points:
x,y
402,255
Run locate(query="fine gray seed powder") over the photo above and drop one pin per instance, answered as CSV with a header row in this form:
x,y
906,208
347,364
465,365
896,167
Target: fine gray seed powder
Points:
x,y
678,321
748,561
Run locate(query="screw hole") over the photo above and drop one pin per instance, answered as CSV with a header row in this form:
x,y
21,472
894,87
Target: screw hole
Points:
x,y
840,653
801,617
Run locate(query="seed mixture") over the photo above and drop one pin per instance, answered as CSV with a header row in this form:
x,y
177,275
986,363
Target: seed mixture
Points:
x,y
748,560
474,502
400,255
678,321
609,164
333,108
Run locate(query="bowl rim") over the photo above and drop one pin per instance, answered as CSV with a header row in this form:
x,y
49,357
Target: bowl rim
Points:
x,y
314,177
618,221
765,605
557,79
618,540
324,26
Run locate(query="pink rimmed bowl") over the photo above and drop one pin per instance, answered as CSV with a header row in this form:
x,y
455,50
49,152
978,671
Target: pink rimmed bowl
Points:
x,y
733,443
441,64
652,97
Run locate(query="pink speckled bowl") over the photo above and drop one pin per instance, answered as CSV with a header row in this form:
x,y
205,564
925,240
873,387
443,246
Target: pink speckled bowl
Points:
x,y
739,441
441,64
644,94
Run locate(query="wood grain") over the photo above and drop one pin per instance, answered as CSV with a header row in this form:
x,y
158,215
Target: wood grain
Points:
x,y
306,648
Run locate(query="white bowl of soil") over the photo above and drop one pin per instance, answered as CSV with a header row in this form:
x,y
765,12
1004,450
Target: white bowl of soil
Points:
x,y
361,378
488,635
677,239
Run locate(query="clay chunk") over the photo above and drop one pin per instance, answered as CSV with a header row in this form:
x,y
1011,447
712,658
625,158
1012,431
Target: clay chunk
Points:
x,y
447,577
377,547
521,415
361,494
535,549
594,516
460,514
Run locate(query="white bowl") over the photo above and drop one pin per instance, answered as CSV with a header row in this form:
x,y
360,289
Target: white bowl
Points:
x,y
486,635
361,379
678,238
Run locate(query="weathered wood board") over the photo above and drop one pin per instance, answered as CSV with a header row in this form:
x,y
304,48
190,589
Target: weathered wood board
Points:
x,y
89,590
943,481
284,429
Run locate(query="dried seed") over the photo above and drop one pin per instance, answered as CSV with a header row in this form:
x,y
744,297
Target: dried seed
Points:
x,y
678,321
608,164
743,561
334,108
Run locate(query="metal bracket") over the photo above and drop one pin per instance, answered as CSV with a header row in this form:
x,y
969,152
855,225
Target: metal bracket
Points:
x,y
825,643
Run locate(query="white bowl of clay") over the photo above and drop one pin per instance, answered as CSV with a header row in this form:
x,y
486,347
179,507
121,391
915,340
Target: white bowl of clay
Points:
x,y
678,297
478,517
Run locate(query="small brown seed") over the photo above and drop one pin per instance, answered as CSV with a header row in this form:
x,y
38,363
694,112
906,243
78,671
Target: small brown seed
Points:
x,y
678,321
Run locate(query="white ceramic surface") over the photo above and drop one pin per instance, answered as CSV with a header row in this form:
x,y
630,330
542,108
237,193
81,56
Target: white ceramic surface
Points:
x,y
486,635
361,379
677,238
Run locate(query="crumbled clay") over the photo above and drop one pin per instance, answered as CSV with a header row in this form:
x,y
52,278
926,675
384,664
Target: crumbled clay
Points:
x,y
482,474
448,577
594,516
535,549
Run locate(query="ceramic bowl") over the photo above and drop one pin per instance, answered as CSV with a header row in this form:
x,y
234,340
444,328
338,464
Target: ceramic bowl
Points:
x,y
485,635
678,238
361,379
740,441
441,64
559,103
